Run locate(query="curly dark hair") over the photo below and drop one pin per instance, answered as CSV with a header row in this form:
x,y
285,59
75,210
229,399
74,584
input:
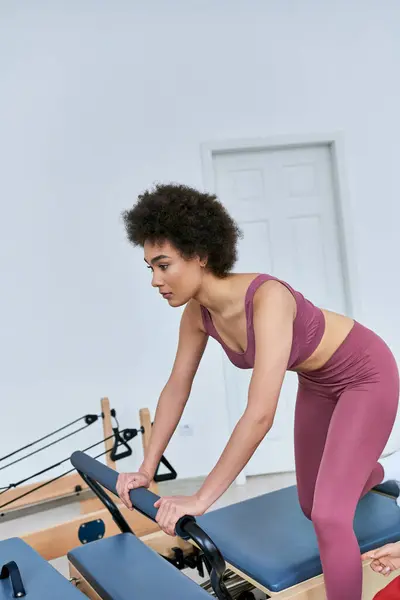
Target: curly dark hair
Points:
x,y
195,223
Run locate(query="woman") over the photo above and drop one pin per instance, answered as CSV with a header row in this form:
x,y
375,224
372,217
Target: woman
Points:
x,y
348,379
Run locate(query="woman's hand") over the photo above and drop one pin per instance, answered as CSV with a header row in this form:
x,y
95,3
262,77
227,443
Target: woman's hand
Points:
x,y
130,481
172,508
385,559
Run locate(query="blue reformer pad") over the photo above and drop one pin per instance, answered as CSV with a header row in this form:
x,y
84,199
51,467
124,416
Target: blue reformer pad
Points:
x,y
39,579
270,540
124,568
390,488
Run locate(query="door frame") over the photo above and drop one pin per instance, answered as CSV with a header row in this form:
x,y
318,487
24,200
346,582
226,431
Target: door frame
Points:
x,y
335,143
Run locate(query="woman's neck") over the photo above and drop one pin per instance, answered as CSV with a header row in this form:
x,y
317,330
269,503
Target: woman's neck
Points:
x,y
218,295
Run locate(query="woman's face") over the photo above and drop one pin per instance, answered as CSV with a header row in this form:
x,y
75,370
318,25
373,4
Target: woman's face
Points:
x,y
177,279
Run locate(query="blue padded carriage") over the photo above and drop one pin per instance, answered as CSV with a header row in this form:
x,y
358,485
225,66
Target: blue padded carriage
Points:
x,y
270,540
40,580
122,567
389,488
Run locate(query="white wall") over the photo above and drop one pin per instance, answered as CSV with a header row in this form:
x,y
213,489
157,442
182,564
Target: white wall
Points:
x,y
100,99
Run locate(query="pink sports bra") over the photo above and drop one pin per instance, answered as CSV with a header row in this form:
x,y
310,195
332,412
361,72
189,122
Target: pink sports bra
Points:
x,y
308,328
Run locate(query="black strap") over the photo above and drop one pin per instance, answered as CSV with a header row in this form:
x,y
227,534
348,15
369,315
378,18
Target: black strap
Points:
x,y
11,570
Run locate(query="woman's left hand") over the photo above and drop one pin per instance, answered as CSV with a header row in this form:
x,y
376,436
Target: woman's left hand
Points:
x,y
172,508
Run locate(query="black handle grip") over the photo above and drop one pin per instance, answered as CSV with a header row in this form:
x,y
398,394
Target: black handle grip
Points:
x,y
165,476
119,441
11,570
142,499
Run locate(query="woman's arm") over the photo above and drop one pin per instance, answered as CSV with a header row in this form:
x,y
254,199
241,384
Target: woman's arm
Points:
x,y
171,403
174,396
274,308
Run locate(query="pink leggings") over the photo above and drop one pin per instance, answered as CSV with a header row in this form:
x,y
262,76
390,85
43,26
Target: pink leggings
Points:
x,y
345,412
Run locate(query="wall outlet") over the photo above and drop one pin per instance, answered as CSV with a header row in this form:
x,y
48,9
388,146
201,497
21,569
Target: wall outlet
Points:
x,y
186,429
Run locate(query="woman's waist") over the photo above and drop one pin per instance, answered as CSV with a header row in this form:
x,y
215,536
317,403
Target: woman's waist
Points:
x,y
359,356
336,329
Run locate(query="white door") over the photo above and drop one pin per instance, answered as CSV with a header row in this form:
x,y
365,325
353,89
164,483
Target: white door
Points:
x,y
284,202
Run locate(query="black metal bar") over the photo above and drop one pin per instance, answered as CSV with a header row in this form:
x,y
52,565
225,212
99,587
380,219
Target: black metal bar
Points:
x,y
213,556
117,516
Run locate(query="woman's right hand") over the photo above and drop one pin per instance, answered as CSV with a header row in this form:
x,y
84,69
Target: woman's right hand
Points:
x,y
130,481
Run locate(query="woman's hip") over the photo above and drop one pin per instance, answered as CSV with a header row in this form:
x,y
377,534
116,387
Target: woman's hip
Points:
x,y
363,358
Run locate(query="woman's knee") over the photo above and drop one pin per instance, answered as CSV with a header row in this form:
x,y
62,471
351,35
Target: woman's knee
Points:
x,y
327,518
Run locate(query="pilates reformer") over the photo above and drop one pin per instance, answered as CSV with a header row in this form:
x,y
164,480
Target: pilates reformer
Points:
x,y
266,541
22,498
123,567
